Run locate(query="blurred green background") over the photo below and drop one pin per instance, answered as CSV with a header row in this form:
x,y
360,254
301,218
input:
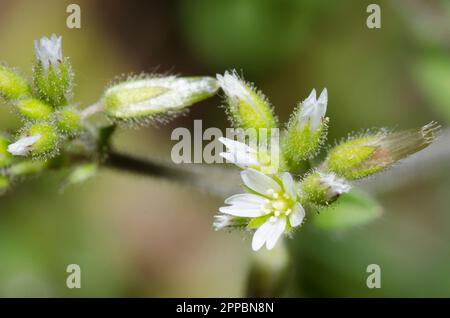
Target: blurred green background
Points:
x,y
144,237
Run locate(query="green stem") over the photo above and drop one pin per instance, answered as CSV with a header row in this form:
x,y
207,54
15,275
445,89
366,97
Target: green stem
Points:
x,y
212,179
145,167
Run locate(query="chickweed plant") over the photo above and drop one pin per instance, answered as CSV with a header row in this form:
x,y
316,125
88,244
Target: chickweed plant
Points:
x,y
276,198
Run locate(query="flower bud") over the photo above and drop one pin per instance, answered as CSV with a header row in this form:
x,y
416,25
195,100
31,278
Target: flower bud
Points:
x,y
52,73
248,107
224,221
143,98
69,121
34,109
323,188
12,86
307,128
5,156
23,146
363,156
40,139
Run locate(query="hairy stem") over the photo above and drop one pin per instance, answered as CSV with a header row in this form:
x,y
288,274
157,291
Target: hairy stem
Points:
x,y
91,110
146,167
214,180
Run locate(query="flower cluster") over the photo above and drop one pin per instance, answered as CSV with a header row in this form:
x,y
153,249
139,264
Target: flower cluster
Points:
x,y
44,105
280,182
56,134
276,197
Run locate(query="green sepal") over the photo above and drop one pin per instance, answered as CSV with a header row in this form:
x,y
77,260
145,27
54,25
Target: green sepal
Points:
x,y
34,109
54,85
48,141
69,121
12,86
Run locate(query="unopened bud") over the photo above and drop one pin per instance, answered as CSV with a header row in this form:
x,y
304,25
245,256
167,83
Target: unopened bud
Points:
x,y
12,86
52,73
34,109
225,221
23,146
363,156
69,121
40,139
307,128
144,98
248,107
323,188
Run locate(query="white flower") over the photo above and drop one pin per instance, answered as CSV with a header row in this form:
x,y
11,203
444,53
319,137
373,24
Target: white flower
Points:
x,y
239,153
245,156
313,110
23,146
273,200
336,186
48,50
235,88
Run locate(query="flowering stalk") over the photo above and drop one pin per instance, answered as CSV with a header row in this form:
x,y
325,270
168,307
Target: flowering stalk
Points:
x,y
277,195
56,134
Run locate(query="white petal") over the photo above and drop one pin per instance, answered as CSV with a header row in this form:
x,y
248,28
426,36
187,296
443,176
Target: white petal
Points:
x,y
297,216
276,231
342,188
243,159
23,146
259,182
246,199
337,185
289,185
311,99
221,221
323,98
260,236
232,85
234,145
322,104
48,50
241,211
313,111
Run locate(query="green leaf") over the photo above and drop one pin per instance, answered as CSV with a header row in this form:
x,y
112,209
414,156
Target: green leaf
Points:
x,y
12,86
352,209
